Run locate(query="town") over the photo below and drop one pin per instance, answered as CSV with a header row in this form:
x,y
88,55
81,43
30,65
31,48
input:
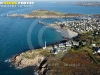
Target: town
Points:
x,y
88,24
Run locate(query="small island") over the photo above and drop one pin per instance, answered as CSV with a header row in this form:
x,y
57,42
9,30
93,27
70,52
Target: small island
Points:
x,y
45,14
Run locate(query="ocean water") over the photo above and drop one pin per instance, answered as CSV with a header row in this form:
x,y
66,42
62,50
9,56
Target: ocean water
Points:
x,y
19,34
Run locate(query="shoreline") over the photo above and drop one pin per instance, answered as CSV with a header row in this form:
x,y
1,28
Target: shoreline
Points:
x,y
28,16
39,13
38,60
65,32
45,14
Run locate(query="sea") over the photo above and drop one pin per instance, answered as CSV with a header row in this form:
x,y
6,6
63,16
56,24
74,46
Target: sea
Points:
x,y
19,34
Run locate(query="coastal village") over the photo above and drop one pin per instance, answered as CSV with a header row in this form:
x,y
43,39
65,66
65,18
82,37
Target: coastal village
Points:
x,y
80,47
84,25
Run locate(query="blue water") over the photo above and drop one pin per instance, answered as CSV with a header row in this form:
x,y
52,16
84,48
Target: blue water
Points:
x,y
18,34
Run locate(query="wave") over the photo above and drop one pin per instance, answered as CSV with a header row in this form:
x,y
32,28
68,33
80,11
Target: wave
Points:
x,y
7,60
58,31
18,68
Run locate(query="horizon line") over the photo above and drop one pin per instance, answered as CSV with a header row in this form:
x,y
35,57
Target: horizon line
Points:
x,y
53,0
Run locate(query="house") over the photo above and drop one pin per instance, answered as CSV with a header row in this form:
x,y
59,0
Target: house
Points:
x,y
93,45
97,50
68,44
61,45
75,43
83,43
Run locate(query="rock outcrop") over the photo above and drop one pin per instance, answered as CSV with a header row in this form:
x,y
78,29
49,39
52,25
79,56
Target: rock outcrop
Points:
x,y
34,58
22,62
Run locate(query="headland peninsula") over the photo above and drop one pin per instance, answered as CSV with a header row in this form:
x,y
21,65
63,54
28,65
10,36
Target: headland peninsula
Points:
x,y
71,56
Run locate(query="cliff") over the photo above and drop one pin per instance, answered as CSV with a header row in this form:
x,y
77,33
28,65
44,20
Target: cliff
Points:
x,y
36,58
74,62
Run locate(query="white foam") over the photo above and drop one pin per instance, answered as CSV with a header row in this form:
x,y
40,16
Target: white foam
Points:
x,y
58,30
18,68
8,60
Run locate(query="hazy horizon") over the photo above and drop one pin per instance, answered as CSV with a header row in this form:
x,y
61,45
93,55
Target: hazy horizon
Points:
x,y
49,0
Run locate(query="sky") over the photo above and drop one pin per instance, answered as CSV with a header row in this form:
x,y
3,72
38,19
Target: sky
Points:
x,y
49,0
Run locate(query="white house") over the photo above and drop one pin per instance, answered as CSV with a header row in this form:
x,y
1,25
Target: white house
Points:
x,y
83,43
75,43
98,51
68,44
93,45
61,45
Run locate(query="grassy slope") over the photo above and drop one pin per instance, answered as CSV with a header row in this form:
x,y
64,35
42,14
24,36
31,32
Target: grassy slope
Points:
x,y
50,13
46,13
78,62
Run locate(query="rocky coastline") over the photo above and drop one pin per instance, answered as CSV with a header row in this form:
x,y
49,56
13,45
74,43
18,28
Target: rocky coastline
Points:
x,y
36,58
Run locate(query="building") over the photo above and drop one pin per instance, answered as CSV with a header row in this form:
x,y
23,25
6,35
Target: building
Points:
x,y
96,50
45,46
75,43
68,44
62,45
83,42
93,45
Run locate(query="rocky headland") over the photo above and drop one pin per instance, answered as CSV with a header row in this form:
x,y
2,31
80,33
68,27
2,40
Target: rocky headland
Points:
x,y
37,58
72,62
